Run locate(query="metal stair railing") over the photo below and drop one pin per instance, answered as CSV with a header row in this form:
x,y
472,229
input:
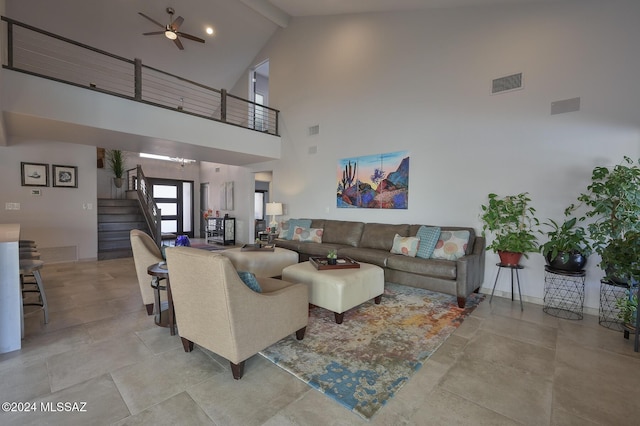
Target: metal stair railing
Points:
x,y
136,180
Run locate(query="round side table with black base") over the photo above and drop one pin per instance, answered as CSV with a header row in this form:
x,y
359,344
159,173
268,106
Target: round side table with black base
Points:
x,y
514,268
564,293
160,271
610,291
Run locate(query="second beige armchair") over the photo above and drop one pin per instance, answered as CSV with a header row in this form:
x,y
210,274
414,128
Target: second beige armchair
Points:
x,y
216,310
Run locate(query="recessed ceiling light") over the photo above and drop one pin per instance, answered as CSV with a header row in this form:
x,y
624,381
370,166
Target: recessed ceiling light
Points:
x,y
209,30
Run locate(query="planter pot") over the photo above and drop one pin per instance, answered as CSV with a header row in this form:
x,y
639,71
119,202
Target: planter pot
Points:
x,y
575,262
117,182
331,261
509,258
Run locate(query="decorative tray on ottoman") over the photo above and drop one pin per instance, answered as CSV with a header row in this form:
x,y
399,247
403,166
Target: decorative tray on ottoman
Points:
x,y
258,247
322,263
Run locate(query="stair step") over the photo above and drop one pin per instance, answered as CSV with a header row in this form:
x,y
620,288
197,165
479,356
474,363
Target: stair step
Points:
x,y
114,235
118,210
114,254
111,218
106,202
122,226
114,245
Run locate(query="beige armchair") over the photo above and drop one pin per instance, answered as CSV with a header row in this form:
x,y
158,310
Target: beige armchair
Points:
x,y
216,310
145,253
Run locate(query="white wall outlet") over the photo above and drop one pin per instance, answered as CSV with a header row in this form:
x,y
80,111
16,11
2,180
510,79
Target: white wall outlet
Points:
x,y
89,206
12,206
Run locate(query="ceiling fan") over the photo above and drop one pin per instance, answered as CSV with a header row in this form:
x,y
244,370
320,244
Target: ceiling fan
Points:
x,y
171,29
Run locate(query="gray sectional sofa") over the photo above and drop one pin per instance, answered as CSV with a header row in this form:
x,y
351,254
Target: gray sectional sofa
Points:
x,y
372,243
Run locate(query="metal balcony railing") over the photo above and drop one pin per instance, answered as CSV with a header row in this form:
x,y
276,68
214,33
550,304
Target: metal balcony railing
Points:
x,y
41,53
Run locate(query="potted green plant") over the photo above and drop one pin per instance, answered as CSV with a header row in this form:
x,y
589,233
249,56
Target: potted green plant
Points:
x,y
613,199
568,246
627,310
512,221
116,160
332,257
621,259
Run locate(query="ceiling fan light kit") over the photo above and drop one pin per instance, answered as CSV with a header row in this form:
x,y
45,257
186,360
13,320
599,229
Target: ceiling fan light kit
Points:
x,y
171,30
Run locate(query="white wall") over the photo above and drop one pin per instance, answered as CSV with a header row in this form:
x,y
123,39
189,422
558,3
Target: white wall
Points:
x,y
57,217
243,186
420,81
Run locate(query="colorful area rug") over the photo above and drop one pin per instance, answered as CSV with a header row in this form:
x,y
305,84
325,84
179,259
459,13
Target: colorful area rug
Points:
x,y
364,361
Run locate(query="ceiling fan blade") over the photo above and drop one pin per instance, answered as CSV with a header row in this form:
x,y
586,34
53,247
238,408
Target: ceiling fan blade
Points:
x,y
153,33
176,24
152,20
190,37
179,44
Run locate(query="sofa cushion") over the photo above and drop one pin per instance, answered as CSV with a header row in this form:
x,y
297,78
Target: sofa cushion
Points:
x,y
318,249
428,239
250,281
372,256
439,268
302,223
283,229
313,235
406,246
451,245
380,236
288,244
413,230
343,232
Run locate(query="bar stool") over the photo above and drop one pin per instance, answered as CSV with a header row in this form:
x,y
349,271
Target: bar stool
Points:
x,y
32,267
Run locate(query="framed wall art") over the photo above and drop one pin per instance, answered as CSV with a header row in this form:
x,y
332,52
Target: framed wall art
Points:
x,y
65,176
379,181
34,174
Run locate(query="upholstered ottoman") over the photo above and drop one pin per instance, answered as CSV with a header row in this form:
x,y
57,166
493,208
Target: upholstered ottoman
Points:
x,y
338,290
261,263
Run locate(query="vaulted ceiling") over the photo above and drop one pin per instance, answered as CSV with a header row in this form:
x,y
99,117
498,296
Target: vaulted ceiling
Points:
x,y
242,27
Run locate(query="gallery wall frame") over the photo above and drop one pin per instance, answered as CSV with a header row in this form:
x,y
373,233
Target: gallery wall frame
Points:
x,y
34,174
64,176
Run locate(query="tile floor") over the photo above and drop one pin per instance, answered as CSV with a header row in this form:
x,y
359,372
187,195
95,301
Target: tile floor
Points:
x,y
502,366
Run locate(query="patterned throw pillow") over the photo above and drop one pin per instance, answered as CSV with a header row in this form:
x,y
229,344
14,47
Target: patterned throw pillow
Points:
x,y
407,246
428,239
250,280
313,235
302,223
451,245
284,230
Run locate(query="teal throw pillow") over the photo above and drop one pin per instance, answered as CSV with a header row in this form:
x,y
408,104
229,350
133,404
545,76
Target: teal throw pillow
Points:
x,y
429,236
250,280
302,223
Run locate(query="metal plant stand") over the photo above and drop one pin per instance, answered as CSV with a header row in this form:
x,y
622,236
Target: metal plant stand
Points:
x,y
564,293
610,291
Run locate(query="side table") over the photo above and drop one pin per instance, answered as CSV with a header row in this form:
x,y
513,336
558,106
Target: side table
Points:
x,y
610,291
513,268
564,293
160,270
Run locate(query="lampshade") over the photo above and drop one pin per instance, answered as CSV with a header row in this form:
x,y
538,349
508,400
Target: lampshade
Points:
x,y
274,209
170,35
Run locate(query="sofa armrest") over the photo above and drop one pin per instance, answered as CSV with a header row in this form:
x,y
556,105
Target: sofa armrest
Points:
x,y
470,269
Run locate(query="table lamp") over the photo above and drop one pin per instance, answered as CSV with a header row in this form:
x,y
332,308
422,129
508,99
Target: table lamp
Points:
x,y
273,210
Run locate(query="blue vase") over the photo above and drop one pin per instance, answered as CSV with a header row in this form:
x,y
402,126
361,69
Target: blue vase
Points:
x,y
183,241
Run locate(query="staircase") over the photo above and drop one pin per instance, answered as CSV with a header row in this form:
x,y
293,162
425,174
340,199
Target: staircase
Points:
x,y
116,218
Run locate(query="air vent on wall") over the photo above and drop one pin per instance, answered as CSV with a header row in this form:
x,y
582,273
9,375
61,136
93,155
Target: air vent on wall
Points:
x,y
507,83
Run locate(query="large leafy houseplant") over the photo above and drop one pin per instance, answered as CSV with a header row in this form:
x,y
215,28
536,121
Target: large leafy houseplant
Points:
x,y
613,199
621,258
512,221
568,245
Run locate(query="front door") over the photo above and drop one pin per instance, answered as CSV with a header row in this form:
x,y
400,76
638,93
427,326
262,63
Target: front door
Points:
x,y
175,201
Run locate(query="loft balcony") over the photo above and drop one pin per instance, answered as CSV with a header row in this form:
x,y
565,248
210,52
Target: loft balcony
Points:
x,y
61,89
